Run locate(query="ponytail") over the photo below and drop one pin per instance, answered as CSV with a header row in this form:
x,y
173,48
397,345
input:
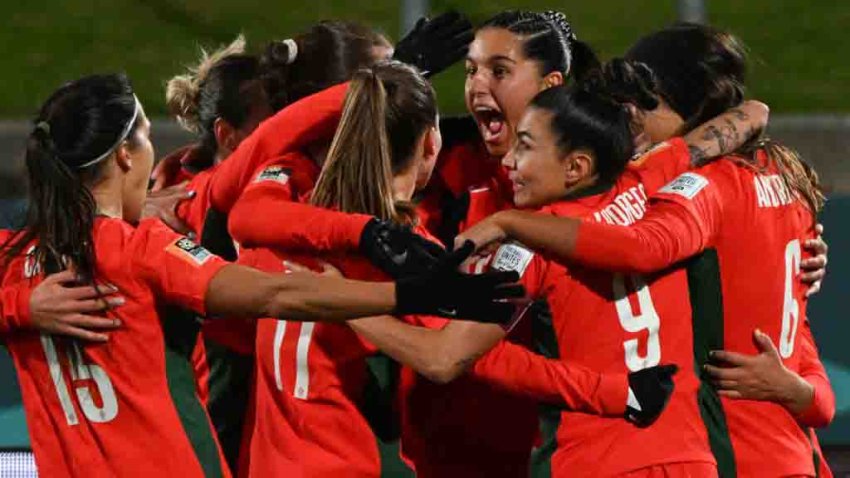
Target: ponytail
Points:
x,y
357,175
77,129
387,110
61,212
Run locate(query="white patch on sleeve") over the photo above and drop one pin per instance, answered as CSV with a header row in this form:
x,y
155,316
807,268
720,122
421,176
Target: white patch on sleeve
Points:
x,y
687,185
274,173
187,250
512,257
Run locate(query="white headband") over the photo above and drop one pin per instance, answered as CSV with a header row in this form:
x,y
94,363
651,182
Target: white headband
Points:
x,y
121,138
292,49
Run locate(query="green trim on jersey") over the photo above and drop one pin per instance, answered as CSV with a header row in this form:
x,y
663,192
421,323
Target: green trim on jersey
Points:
x,y
707,320
181,332
815,457
230,381
546,344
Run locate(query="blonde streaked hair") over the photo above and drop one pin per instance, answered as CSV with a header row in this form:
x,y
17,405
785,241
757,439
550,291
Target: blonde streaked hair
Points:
x,y
387,109
182,91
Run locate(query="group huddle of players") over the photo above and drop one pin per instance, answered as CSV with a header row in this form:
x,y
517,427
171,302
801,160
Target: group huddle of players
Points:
x,y
602,270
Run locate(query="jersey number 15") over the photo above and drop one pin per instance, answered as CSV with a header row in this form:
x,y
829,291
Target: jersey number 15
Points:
x,y
82,374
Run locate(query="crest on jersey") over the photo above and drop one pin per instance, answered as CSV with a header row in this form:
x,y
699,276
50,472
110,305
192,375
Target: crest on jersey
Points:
x,y
186,249
687,185
512,257
274,173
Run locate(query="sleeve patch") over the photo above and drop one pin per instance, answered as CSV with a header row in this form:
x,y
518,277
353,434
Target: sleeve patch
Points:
x,y
189,251
687,185
275,173
512,257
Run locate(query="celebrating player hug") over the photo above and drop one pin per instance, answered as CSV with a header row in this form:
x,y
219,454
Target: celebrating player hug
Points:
x,y
601,270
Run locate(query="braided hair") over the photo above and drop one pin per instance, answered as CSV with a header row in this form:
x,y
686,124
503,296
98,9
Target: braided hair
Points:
x,y
550,40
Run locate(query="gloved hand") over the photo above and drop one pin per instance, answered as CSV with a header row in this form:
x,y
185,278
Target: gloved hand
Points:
x,y
397,250
434,45
649,392
447,292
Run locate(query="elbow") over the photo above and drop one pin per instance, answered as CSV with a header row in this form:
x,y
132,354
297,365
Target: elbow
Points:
x,y
758,112
441,374
443,368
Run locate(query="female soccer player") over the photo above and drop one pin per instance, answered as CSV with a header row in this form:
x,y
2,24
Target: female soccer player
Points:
x,y
573,156
99,407
221,100
369,170
764,194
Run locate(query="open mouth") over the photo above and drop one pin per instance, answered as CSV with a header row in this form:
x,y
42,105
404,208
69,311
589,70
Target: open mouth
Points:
x,y
491,123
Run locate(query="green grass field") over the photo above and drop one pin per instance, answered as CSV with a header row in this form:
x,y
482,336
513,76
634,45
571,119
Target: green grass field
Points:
x,y
796,45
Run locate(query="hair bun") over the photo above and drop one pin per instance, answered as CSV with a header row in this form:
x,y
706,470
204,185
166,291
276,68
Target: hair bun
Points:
x,y
182,92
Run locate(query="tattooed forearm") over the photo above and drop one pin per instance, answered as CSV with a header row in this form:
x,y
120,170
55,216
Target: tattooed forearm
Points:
x,y
722,135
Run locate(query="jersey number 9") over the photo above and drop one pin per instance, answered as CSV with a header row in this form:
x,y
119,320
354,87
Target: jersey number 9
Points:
x,y
644,319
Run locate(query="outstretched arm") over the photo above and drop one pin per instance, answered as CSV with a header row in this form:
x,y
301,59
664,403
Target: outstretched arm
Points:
x,y
440,355
304,122
237,291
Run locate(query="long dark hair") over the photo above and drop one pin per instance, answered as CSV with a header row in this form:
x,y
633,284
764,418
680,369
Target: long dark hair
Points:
x,y
592,114
387,109
224,84
80,122
550,40
327,54
701,73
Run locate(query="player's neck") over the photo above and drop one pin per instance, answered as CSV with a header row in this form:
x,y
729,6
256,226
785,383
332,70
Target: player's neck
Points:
x,y
108,196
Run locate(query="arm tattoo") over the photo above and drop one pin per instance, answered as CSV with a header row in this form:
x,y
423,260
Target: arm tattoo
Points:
x,y
698,156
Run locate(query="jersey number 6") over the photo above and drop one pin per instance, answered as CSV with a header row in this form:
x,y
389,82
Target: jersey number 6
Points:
x,y
82,374
790,308
644,319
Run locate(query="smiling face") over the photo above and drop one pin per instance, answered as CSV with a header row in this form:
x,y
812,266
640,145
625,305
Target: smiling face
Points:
x,y
538,168
500,82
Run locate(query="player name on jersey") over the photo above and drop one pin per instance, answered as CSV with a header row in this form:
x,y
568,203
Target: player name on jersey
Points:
x,y
771,191
626,209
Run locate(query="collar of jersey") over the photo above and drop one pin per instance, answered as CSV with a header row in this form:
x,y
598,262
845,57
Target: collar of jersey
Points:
x,y
598,188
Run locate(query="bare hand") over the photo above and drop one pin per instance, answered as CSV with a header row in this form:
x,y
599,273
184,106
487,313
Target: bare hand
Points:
x,y
162,204
59,309
759,377
815,267
486,235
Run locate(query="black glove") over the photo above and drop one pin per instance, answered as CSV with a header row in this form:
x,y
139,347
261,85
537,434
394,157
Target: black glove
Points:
x,y
434,45
397,250
651,389
445,291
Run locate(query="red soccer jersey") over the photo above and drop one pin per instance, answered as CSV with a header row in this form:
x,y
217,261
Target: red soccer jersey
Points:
x,y
311,386
469,429
746,227
280,190
127,407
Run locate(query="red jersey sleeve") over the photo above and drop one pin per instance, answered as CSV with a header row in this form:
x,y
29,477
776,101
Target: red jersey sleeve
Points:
x,y
193,212
683,220
822,410
15,307
269,214
176,268
514,368
299,124
664,162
